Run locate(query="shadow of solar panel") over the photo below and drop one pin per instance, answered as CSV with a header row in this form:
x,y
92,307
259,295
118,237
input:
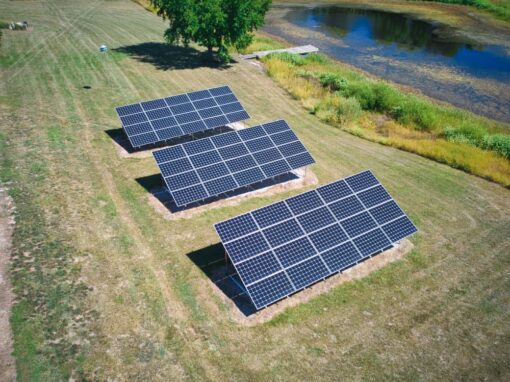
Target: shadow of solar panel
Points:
x,y
190,112
225,162
312,235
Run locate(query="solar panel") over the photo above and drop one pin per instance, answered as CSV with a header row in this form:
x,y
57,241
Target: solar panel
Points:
x,y
208,167
166,118
286,246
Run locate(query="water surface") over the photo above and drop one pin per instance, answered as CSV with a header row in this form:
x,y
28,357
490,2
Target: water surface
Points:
x,y
407,51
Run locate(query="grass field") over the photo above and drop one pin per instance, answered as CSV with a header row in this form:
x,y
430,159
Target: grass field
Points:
x,y
104,285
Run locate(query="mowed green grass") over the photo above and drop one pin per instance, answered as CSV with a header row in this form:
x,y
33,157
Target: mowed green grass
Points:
x,y
103,283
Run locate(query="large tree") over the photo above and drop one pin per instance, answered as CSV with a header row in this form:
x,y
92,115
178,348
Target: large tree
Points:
x,y
212,23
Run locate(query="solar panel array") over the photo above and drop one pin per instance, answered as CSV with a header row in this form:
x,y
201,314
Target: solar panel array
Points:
x,y
184,114
284,247
208,167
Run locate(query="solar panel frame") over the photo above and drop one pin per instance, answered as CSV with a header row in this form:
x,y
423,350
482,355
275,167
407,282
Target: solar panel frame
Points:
x,y
246,161
334,256
180,115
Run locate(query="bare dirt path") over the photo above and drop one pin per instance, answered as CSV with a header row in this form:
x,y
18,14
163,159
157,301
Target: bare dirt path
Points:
x,y
7,363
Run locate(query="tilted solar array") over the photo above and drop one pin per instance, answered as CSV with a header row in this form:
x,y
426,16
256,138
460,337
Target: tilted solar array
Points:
x,y
282,248
162,119
208,167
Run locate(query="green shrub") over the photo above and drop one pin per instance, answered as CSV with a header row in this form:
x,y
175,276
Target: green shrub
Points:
x,y
497,142
315,58
332,81
294,59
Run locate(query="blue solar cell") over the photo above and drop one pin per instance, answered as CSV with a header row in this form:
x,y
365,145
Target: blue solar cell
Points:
x,y
361,181
171,132
305,202
316,219
222,90
275,168
139,128
182,109
236,227
133,119
272,214
205,159
175,167
220,185
211,172
226,139
237,116
250,176
182,180
199,146
189,195
295,251
193,127
164,123
300,160
258,267
246,247
159,113
211,112
129,109
259,144
233,151
276,126
201,94
346,207
307,272
143,139
224,99
241,163
358,224
372,242
270,290
341,257
170,153
204,103
218,121
334,191
252,133
400,228
386,212
284,137
231,107
328,237
176,100
292,149
374,196
154,104
188,117
267,156
283,232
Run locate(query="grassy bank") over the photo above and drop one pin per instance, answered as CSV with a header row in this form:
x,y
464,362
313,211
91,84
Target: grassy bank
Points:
x,y
499,8
378,111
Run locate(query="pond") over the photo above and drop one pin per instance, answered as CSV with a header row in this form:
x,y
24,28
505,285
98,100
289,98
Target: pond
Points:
x,y
412,52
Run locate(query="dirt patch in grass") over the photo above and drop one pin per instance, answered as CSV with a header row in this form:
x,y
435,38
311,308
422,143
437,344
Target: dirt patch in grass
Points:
x,y
303,178
354,273
7,363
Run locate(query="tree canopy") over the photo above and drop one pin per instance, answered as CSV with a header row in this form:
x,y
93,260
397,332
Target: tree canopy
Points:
x,y
212,23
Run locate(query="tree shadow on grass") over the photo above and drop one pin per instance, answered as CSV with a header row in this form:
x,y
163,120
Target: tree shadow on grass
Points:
x,y
213,263
166,57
